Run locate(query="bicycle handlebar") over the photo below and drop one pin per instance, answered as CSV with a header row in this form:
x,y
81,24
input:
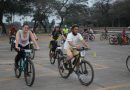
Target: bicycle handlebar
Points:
x,y
82,48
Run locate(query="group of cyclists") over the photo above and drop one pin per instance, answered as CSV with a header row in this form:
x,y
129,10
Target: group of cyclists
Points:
x,y
71,39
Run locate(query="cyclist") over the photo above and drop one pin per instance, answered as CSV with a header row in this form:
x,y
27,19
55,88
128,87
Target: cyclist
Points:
x,y
65,31
124,37
91,31
85,34
22,42
73,40
105,32
55,35
12,32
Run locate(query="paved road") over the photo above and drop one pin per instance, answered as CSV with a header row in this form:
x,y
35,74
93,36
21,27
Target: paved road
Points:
x,y
109,66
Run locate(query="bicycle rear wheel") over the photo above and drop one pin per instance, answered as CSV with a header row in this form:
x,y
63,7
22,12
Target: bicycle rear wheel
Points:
x,y
128,63
62,70
29,73
85,73
92,38
52,57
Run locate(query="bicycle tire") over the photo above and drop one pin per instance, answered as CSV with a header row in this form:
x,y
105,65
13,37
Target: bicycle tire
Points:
x,y
29,68
127,62
59,55
62,68
52,59
33,52
110,41
83,71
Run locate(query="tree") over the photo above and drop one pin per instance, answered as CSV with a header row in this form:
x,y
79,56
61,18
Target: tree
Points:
x,y
13,7
42,12
69,6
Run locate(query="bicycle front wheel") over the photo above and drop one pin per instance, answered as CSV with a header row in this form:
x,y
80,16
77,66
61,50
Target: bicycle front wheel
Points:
x,y
29,73
128,63
85,73
32,52
52,57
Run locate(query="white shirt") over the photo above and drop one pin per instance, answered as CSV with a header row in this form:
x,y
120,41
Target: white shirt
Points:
x,y
23,41
75,39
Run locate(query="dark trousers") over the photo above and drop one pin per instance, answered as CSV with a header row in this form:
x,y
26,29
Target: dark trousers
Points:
x,y
20,54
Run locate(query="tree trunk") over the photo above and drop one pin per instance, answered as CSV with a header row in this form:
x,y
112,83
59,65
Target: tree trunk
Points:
x,y
61,23
2,24
44,26
35,26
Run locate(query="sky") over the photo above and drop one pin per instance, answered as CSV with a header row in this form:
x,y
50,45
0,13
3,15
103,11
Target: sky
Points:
x,y
22,19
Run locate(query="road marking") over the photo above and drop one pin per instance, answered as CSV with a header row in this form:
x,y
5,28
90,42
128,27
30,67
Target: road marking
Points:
x,y
115,86
100,66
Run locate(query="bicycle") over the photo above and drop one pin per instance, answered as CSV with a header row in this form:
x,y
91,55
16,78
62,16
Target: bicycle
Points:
x,y
79,65
55,54
103,36
12,39
26,65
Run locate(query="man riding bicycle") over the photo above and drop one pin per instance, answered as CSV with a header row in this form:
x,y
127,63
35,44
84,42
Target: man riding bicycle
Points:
x,y
22,42
73,40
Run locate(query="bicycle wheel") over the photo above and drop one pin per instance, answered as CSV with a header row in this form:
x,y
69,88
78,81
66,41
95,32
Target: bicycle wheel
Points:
x,y
52,57
33,52
86,73
111,41
62,70
18,70
92,38
128,63
59,54
29,73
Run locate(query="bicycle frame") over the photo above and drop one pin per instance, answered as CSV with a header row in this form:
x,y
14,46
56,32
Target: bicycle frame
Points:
x,y
24,59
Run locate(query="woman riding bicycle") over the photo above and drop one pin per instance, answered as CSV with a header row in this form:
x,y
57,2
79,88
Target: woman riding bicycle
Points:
x,y
55,35
22,42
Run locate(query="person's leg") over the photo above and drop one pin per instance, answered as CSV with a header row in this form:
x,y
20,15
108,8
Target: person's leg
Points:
x,y
69,54
18,56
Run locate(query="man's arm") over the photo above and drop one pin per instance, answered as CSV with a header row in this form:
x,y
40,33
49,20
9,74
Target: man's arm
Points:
x,y
84,43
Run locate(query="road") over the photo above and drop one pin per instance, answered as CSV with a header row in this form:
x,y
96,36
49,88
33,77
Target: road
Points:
x,y
109,67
